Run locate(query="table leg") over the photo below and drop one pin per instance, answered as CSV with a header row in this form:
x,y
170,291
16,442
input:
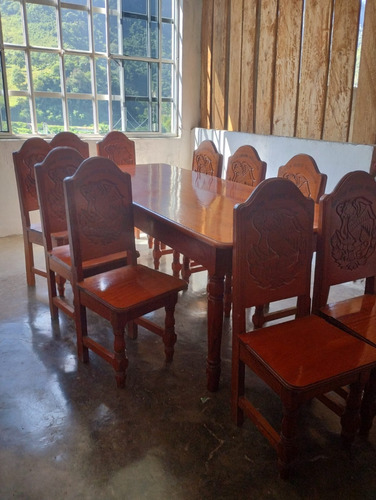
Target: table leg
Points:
x,y
215,321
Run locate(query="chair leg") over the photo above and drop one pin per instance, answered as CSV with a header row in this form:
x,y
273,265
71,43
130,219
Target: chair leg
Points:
x,y
185,272
60,281
287,448
228,295
81,331
350,419
176,265
29,262
120,361
51,283
169,335
157,253
237,386
368,406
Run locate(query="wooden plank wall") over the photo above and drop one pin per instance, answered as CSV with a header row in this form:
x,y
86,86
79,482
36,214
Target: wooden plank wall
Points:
x,y
286,67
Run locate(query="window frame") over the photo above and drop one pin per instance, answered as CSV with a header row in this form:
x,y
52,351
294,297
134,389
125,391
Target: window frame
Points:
x,y
96,97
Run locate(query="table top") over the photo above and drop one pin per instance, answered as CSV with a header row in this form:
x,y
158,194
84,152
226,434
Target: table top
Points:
x,y
196,202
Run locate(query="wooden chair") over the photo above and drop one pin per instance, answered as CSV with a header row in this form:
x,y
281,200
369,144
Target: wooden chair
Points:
x,y
120,149
206,160
71,140
346,252
100,221
32,151
302,170
62,162
298,359
245,167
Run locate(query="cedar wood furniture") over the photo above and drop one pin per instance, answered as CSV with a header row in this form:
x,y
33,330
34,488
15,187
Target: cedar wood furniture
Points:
x,y
299,359
98,200
197,223
33,151
346,252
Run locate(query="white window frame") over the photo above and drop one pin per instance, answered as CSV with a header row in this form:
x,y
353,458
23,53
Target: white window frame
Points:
x,y
62,52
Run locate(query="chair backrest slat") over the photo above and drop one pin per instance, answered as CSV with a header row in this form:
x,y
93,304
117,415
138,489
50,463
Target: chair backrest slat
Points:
x,y
273,245
346,244
71,140
207,160
117,147
61,162
98,198
246,167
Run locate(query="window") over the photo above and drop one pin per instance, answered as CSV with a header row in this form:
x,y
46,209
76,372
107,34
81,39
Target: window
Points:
x,y
89,66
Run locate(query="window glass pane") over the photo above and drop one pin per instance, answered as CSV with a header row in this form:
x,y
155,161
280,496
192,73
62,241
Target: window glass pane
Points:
x,y
154,9
167,117
116,69
112,4
75,22
42,28
154,40
11,22
137,117
154,80
101,76
103,118
98,3
167,8
135,6
78,74
136,78
46,72
155,116
99,23
20,115
114,26
80,113
167,40
116,115
4,125
167,81
15,64
135,42
49,115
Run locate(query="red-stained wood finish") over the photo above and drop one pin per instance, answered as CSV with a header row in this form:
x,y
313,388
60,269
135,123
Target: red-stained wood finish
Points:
x,y
117,147
299,359
100,218
71,140
346,252
192,213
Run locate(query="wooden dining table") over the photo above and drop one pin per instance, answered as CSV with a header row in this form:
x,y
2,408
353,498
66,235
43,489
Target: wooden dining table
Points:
x,y
193,214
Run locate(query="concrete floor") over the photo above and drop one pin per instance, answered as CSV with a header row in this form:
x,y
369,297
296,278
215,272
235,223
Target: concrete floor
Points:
x,y
67,432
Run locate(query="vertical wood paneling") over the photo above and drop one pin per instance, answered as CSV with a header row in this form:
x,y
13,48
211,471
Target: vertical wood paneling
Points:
x,y
364,128
248,66
235,53
220,61
314,70
266,66
341,72
206,62
264,70
287,67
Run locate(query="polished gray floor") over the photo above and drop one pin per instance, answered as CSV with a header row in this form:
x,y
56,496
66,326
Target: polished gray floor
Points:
x,y
67,432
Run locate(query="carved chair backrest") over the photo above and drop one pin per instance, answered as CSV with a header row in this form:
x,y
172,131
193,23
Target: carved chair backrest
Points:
x,y
61,162
346,244
303,171
207,160
98,199
33,151
117,147
70,140
273,245
245,166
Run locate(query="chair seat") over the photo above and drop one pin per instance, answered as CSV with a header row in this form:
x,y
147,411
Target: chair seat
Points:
x,y
130,286
301,352
357,315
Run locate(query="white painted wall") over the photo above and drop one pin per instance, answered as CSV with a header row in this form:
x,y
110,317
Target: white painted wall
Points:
x,y
333,158
176,151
